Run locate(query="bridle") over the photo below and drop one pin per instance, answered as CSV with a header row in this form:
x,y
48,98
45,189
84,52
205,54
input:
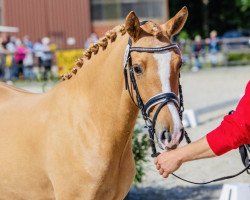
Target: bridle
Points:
x,y
162,100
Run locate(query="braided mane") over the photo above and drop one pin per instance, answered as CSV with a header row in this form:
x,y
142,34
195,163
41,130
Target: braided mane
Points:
x,y
94,48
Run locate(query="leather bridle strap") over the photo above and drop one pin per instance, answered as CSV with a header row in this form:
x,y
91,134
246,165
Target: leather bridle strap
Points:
x,y
245,159
155,49
161,99
214,180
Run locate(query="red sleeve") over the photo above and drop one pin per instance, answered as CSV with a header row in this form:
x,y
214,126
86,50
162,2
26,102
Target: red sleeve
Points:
x,y
234,129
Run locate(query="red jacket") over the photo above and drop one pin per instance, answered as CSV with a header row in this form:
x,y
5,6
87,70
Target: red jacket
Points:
x,y
234,129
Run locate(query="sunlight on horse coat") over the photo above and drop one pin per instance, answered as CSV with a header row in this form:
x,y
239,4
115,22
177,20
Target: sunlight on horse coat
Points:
x,y
74,142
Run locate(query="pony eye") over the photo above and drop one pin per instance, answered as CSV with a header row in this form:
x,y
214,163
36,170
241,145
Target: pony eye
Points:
x,y
138,69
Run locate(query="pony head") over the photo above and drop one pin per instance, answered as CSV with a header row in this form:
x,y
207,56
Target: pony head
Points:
x,y
158,73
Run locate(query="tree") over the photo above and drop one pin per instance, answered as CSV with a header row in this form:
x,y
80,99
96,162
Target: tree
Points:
x,y
194,23
244,4
223,15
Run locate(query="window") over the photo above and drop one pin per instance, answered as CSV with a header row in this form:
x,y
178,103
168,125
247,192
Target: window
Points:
x,y
118,9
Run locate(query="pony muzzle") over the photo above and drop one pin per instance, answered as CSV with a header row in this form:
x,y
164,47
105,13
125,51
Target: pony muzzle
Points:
x,y
166,140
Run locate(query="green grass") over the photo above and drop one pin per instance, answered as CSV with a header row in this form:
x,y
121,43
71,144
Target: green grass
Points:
x,y
239,56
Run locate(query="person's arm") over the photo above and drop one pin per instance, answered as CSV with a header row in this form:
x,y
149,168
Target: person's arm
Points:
x,y
233,132
168,162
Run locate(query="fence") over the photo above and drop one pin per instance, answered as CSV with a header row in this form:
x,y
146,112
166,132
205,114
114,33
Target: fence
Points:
x,y
236,50
232,51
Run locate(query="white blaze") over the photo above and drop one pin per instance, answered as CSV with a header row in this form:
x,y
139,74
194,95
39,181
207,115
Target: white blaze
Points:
x,y
164,60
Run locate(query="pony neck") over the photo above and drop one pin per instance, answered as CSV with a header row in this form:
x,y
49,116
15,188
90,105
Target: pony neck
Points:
x,y
98,93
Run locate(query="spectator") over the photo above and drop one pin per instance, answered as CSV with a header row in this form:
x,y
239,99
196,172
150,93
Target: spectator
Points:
x,y
27,42
10,65
20,54
38,50
47,58
213,48
28,62
197,49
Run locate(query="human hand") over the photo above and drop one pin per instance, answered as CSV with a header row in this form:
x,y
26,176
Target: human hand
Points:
x,y
168,162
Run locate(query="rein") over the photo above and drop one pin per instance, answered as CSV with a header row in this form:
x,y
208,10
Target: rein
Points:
x,y
162,100
244,151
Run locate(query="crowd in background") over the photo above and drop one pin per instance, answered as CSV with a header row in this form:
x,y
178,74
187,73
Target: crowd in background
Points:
x,y
24,59
211,44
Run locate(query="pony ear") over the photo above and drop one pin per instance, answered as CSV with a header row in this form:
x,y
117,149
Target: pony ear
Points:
x,y
132,26
176,23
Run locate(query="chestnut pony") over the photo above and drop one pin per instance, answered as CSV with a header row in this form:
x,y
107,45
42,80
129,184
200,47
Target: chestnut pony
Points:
x,y
74,142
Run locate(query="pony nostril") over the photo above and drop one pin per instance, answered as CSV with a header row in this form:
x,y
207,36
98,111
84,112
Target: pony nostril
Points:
x,y
165,136
169,137
162,135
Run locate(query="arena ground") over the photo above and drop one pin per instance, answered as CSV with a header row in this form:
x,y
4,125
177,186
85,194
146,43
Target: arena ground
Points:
x,y
201,89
